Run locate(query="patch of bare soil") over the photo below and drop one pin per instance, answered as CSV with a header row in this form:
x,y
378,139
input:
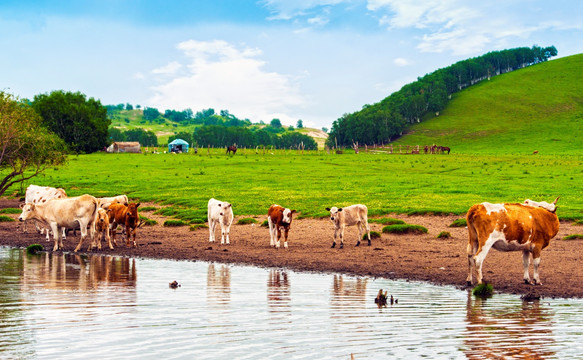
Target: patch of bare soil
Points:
x,y
412,257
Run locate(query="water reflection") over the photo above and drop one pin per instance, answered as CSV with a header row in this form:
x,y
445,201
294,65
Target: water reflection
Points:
x,y
524,331
348,293
77,272
218,281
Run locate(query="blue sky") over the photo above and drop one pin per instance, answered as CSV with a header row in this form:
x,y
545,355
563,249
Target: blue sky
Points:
x,y
305,59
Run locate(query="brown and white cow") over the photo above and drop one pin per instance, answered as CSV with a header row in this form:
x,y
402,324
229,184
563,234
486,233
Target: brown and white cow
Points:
x,y
39,195
220,212
101,230
349,216
127,217
61,214
527,227
279,218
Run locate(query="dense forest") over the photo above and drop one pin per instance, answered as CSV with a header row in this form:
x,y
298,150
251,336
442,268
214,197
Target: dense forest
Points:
x,y
384,121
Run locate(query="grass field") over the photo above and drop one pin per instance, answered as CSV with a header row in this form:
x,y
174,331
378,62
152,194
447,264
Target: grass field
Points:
x,y
413,184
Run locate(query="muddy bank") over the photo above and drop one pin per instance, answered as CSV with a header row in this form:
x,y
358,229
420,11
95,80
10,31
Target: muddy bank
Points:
x,y
411,257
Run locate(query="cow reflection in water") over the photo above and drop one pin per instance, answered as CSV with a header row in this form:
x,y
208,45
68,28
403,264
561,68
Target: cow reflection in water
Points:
x,y
79,272
279,296
523,332
218,289
348,293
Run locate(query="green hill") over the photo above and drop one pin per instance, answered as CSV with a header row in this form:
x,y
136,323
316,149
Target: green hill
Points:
x,y
537,108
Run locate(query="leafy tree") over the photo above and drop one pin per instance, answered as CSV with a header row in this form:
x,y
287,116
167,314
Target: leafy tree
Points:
x,y
276,123
26,148
129,106
145,138
116,134
81,122
300,124
325,129
151,113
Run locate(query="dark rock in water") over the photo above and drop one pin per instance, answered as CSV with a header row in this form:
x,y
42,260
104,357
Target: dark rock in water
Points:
x,y
530,296
381,299
174,284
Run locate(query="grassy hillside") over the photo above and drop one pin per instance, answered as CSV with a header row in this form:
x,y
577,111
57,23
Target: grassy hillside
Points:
x,y
536,108
131,119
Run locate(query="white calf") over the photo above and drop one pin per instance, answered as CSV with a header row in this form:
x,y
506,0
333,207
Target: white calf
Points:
x,y
348,216
39,195
220,212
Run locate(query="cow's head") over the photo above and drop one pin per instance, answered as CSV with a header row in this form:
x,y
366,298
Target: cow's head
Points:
x,y
102,216
27,211
132,210
334,212
545,205
223,207
287,216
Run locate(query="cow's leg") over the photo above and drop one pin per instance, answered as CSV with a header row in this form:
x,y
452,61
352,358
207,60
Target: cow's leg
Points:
x,y
55,237
342,237
222,233
526,264
108,237
212,225
360,228
134,231
229,231
277,242
367,230
536,263
335,235
471,250
285,238
271,226
48,235
113,231
83,228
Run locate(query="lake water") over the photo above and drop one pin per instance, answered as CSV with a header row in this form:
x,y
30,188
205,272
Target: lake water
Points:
x,y
67,306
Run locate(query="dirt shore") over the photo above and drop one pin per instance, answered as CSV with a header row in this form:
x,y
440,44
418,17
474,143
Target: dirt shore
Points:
x,y
411,257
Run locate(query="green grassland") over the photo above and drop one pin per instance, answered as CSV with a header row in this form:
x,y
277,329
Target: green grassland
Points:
x,y
536,108
412,184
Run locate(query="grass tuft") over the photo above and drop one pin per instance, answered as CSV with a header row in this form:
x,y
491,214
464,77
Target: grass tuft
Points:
x,y
10,211
404,229
444,235
4,218
34,248
459,223
573,237
148,222
265,223
386,221
483,290
198,226
171,223
373,235
246,221
148,208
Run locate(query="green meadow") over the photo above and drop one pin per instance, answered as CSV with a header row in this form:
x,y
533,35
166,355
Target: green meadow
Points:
x,y
310,182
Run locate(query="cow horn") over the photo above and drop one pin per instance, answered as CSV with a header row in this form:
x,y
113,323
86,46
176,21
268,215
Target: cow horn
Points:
x,y
555,202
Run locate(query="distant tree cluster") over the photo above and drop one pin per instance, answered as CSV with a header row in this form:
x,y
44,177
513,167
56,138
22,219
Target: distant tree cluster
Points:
x,y
220,136
144,137
385,120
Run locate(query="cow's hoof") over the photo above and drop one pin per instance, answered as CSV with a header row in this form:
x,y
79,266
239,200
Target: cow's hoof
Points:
x,y
333,245
468,283
369,243
341,246
527,282
358,243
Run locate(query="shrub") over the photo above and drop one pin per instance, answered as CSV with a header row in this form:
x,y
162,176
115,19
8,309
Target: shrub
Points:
x,y
10,211
459,223
578,222
483,290
4,218
246,221
197,221
404,229
573,237
444,235
386,221
174,223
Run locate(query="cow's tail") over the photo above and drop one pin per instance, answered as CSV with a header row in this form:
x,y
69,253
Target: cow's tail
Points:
x,y
472,230
93,225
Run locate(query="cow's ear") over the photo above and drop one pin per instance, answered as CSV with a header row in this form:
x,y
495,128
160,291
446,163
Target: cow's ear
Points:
x,y
340,209
21,205
293,211
138,204
327,209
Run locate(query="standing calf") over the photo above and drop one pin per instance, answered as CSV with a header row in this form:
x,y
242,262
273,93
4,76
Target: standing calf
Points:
x,y
127,217
220,213
279,218
101,230
348,216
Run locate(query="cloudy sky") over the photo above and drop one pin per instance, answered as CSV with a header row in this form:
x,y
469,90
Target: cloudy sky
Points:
x,y
288,59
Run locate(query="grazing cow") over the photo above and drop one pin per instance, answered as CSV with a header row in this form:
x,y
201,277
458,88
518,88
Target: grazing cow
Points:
x,y
279,218
64,213
348,216
527,227
38,195
127,217
232,149
101,230
445,148
220,212
104,202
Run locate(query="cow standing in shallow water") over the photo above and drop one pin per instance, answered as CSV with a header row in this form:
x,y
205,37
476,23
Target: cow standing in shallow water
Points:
x,y
279,218
348,216
220,212
527,227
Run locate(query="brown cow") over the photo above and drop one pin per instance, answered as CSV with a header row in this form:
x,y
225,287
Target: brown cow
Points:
x,y
101,230
232,149
527,227
279,218
127,217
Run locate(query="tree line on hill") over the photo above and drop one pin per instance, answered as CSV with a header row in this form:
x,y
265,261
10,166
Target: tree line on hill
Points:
x,y
384,121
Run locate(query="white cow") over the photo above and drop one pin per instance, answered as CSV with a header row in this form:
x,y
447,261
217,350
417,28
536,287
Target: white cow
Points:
x,y
348,216
38,195
220,212
104,202
64,213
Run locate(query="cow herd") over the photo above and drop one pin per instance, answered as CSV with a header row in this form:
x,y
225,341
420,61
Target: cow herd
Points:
x,y
526,227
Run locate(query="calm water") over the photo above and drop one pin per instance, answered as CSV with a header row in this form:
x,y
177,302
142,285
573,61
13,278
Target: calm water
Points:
x,y
79,307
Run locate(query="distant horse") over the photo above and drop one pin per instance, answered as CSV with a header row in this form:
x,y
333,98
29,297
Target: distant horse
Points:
x,y
445,148
232,148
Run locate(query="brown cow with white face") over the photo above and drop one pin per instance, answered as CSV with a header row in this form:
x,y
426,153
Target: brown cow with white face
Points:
x,y
127,217
279,218
527,227
349,216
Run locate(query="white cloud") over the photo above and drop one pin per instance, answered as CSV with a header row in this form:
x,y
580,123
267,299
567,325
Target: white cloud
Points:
x,y
169,69
223,77
401,62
